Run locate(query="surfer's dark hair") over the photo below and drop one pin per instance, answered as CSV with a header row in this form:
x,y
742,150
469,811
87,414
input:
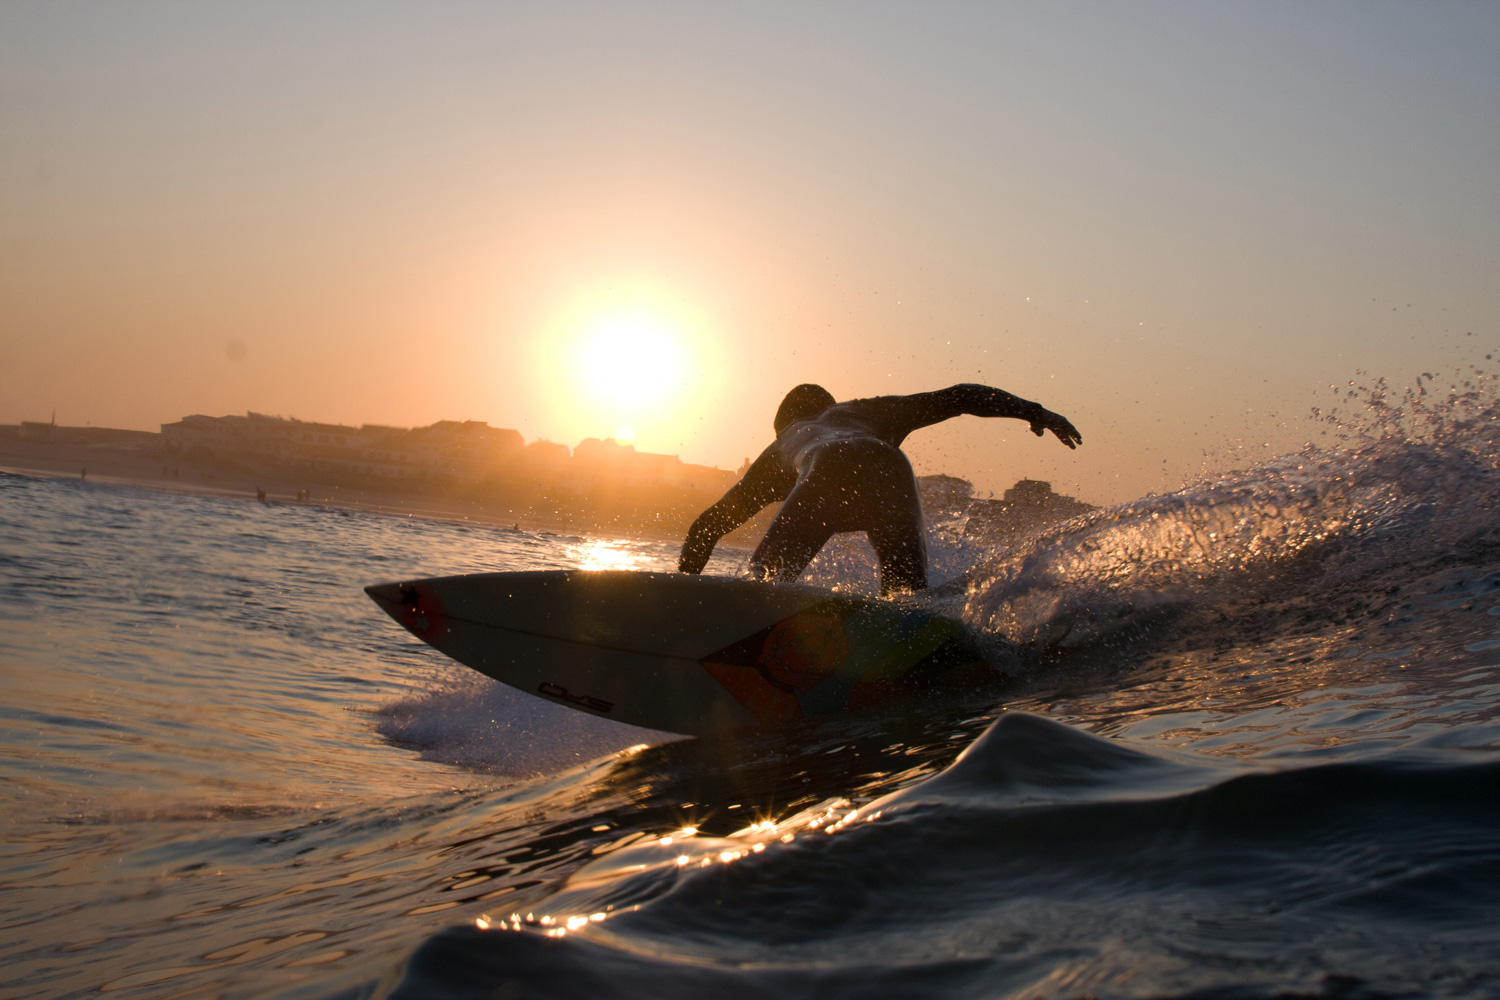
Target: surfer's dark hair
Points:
x,y
807,400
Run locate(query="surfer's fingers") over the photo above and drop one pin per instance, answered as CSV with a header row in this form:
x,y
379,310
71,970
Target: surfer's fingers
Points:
x,y
1060,426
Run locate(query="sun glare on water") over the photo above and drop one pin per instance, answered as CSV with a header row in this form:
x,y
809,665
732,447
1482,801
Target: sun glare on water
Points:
x,y
602,553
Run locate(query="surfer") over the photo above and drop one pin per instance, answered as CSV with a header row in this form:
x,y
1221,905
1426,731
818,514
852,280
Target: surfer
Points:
x,y
839,467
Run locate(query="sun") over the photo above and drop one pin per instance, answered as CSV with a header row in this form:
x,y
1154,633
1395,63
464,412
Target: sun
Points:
x,y
631,358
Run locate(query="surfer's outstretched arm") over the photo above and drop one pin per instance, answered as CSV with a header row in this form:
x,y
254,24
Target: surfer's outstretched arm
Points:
x,y
765,482
923,409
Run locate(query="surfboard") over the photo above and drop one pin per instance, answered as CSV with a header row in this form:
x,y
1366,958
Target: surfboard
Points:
x,y
683,653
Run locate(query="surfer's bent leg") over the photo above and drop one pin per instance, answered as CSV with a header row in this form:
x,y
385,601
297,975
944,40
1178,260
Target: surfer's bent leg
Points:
x,y
853,485
902,551
818,506
893,523
796,534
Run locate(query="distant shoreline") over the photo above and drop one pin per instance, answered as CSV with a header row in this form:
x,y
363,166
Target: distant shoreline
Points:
x,y
612,504
398,505
457,471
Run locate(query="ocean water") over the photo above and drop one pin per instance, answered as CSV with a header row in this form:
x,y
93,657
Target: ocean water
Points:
x,y
1255,752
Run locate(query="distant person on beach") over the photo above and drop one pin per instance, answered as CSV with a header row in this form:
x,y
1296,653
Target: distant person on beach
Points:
x,y
839,467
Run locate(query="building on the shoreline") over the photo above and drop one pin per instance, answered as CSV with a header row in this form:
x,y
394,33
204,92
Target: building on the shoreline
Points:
x,y
944,496
447,449
541,454
1028,504
35,430
948,502
38,432
460,448
598,459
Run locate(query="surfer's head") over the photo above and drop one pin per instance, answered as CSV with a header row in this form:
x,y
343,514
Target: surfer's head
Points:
x,y
807,400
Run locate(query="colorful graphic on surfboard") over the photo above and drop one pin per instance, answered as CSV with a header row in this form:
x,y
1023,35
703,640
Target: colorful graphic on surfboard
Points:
x,y
687,654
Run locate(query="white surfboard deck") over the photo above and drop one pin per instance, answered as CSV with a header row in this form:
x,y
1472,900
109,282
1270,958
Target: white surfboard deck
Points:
x,y
683,653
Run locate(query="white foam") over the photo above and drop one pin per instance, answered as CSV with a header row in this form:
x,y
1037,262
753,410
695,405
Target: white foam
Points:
x,y
470,721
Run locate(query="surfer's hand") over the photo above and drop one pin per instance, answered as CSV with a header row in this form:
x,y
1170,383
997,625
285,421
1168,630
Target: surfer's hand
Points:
x,y
1057,424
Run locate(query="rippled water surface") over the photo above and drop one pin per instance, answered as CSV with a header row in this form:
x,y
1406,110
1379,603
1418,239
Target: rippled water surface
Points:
x,y
1254,753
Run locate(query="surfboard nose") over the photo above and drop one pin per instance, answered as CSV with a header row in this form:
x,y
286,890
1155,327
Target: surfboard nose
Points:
x,y
387,595
413,603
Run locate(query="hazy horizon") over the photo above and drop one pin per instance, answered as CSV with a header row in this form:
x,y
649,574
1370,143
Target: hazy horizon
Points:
x,y
1179,225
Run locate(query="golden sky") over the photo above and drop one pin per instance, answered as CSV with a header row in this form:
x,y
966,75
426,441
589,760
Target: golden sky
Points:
x,y
1175,223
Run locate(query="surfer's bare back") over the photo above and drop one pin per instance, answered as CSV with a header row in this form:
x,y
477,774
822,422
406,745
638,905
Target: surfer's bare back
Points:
x,y
839,467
